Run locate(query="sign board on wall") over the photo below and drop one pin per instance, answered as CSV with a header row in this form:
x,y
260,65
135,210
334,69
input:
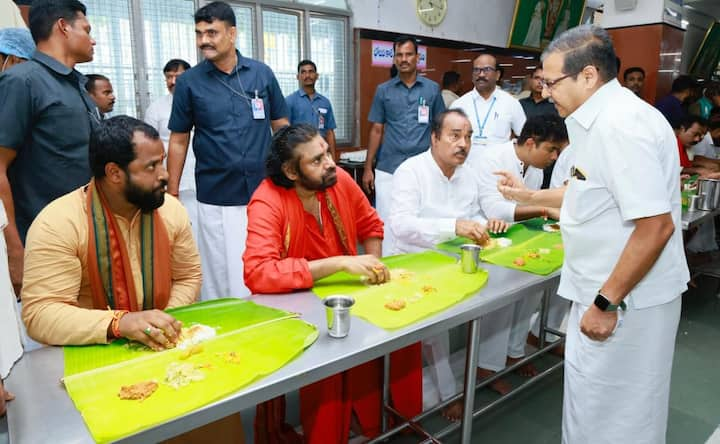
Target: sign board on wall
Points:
x,y
382,54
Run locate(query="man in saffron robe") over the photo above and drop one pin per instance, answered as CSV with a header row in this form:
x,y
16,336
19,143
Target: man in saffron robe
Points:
x,y
103,261
304,223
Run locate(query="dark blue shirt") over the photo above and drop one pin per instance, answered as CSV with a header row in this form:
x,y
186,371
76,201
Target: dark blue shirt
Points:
x,y
230,145
46,116
671,107
317,111
396,107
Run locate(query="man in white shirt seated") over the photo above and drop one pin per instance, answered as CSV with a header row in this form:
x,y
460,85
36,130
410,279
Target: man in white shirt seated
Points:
x,y
157,116
435,199
503,333
494,114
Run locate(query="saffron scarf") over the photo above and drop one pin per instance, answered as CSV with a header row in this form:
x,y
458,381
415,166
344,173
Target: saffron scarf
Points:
x,y
111,276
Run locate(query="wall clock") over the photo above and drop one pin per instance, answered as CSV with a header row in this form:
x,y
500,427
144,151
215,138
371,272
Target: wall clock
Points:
x,y
431,12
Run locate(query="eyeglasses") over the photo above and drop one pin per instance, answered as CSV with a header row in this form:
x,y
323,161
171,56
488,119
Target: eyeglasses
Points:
x,y
483,69
549,84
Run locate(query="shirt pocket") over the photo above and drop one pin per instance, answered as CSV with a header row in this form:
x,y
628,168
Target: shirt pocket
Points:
x,y
500,124
396,109
585,200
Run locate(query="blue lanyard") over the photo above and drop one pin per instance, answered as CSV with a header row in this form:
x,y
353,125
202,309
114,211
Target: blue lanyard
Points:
x,y
477,119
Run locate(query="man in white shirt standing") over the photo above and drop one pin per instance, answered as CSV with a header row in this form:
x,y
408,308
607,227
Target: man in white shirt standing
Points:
x,y
158,116
495,115
503,333
624,266
435,199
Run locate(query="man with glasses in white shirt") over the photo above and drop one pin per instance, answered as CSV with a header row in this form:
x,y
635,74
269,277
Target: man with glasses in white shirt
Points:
x,y
436,198
624,267
494,114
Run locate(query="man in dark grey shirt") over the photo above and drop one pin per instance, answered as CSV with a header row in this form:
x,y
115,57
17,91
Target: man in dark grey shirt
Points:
x,y
45,121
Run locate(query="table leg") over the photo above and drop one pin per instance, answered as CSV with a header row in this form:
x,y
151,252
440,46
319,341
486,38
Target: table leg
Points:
x,y
543,316
470,380
385,391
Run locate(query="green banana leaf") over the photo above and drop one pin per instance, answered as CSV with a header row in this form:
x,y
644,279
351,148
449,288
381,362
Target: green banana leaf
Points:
x,y
253,341
529,240
436,284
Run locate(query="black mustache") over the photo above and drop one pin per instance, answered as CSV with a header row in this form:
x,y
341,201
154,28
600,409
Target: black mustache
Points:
x,y
207,47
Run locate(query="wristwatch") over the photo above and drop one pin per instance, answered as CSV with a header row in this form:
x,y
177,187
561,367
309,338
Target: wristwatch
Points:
x,y
604,304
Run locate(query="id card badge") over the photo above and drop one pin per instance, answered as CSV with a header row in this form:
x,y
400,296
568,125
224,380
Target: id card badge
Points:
x,y
423,114
321,118
479,140
258,107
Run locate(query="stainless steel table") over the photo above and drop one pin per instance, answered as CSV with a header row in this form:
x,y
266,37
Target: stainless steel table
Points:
x,y
43,411
691,219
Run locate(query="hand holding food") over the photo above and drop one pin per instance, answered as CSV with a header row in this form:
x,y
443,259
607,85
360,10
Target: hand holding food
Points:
x,y
368,266
154,328
472,230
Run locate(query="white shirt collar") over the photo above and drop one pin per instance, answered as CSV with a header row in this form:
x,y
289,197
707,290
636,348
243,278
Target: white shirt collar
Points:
x,y
476,95
587,112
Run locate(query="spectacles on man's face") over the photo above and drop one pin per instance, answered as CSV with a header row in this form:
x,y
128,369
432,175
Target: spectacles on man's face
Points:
x,y
483,69
549,84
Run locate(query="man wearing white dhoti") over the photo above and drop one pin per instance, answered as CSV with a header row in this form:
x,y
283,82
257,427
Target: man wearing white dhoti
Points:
x,y
624,266
436,198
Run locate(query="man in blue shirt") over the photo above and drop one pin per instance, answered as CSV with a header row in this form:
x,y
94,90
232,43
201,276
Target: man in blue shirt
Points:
x,y
46,118
307,106
233,103
401,113
673,106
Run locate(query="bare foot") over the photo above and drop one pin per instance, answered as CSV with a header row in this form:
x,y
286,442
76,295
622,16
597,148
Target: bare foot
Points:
x,y
453,412
535,342
499,385
528,370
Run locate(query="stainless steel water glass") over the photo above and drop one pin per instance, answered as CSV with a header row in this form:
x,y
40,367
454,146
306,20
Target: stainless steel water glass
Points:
x,y
469,257
337,309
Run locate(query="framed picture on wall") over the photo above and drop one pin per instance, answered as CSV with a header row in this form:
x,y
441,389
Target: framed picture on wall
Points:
x,y
706,59
537,22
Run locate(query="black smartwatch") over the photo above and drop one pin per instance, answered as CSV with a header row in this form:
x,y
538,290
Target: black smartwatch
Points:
x,y
604,304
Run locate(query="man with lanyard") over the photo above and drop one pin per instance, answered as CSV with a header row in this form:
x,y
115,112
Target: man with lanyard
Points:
x,y
308,106
624,266
400,116
87,278
503,333
158,115
304,223
233,103
45,121
435,199
495,115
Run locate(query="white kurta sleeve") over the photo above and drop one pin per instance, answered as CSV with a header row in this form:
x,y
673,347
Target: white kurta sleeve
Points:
x,y
406,222
493,204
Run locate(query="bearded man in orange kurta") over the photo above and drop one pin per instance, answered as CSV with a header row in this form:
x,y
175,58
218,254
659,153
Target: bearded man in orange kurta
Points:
x,y
304,223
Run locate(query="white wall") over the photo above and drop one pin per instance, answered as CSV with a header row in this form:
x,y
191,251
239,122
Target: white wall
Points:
x,y
484,22
646,12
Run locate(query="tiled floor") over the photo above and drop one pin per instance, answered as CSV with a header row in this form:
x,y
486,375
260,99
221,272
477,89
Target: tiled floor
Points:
x,y
534,416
